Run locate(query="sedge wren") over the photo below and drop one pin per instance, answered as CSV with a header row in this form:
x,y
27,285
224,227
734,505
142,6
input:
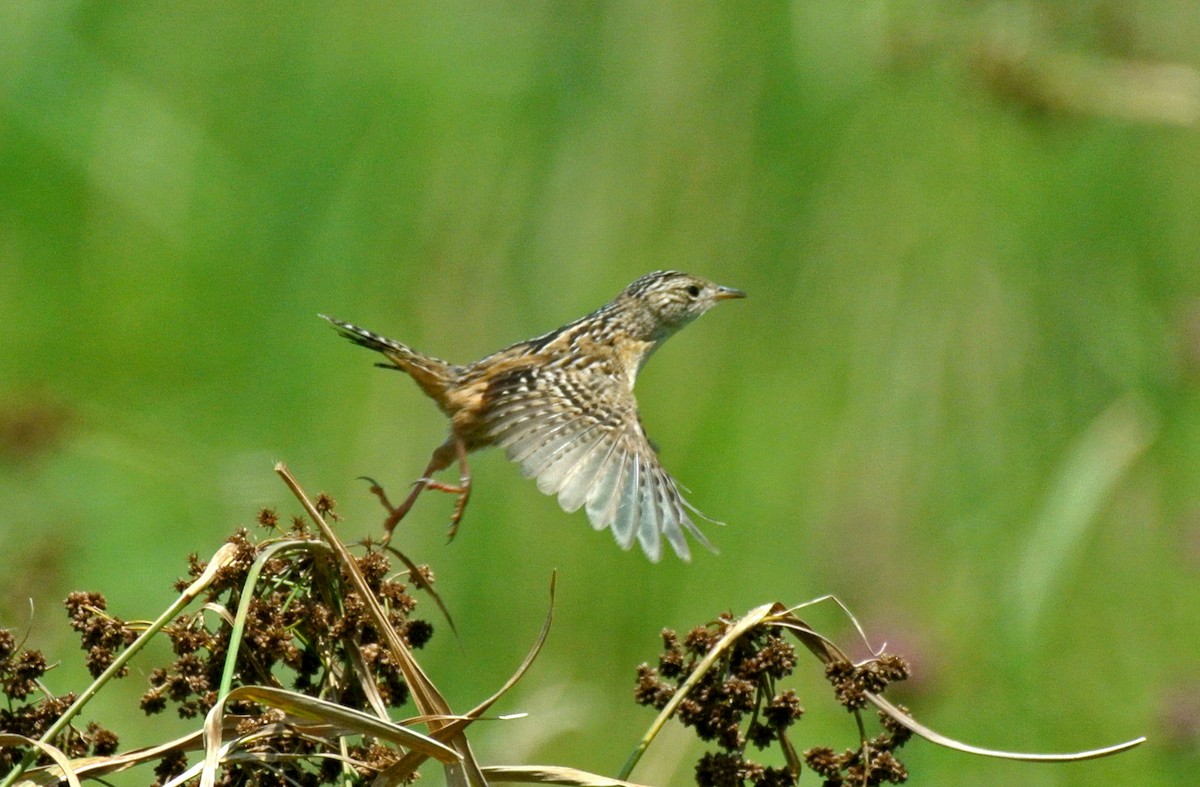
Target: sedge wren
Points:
x,y
562,406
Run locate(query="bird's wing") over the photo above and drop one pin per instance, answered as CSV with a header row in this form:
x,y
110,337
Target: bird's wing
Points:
x,y
578,433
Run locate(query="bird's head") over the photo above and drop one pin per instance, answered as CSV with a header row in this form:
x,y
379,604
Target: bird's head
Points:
x,y
672,299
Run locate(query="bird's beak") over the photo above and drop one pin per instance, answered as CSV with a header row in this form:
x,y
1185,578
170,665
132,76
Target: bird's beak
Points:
x,y
728,293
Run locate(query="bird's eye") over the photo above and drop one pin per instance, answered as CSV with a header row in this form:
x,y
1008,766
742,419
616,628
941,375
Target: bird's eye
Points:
x,y
693,290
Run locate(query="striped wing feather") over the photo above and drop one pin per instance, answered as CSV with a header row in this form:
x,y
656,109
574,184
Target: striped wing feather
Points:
x,y
581,439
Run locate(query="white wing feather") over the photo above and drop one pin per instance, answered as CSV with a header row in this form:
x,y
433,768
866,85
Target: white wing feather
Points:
x,y
584,443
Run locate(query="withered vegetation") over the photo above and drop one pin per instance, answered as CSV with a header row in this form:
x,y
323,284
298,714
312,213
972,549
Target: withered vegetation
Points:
x,y
293,652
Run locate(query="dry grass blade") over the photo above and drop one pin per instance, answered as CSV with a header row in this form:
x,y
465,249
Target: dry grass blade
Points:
x,y
365,680
256,758
455,726
428,699
394,773
855,685
817,644
309,713
941,740
64,762
212,744
482,707
551,774
303,711
827,652
92,767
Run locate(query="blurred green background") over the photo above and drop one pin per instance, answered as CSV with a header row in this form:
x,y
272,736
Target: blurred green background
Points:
x,y
963,395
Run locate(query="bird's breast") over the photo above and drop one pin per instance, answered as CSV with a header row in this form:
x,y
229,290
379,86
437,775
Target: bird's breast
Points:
x,y
615,356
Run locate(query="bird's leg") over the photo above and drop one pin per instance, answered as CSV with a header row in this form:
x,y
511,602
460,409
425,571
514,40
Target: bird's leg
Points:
x,y
463,490
441,459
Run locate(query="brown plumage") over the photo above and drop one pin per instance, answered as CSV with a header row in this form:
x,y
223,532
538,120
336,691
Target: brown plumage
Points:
x,y
562,406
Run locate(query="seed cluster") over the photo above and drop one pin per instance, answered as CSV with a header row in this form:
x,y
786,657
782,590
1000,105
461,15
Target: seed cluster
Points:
x,y
736,703
874,762
306,629
103,636
740,687
852,682
21,674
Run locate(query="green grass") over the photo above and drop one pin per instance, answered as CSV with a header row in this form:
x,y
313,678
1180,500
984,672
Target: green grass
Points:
x,y
962,395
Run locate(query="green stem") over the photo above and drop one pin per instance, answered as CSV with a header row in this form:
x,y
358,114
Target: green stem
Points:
x,y
239,621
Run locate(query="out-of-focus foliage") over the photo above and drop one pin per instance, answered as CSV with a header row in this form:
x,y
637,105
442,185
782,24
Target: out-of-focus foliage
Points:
x,y
963,395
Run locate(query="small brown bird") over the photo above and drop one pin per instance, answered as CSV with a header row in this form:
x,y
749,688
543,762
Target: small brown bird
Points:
x,y
562,406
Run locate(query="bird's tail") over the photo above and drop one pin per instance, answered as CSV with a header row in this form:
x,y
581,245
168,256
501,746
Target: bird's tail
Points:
x,y
432,374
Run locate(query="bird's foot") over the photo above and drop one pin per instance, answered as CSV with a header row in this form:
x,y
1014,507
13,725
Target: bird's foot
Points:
x,y
463,490
377,490
395,513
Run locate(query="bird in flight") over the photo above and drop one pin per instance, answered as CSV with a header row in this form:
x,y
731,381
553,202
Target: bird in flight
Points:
x,y
561,405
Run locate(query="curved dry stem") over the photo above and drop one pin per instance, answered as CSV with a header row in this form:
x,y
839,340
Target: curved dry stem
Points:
x,y
941,740
455,727
827,651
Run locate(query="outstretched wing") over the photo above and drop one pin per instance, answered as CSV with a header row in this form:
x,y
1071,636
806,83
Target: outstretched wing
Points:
x,y
578,433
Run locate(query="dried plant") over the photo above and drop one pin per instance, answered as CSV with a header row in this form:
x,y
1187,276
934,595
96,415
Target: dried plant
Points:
x,y
295,651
